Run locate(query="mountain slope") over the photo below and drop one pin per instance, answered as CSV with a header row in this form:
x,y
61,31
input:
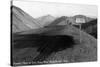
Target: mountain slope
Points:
x,y
90,26
63,20
21,21
45,20
59,21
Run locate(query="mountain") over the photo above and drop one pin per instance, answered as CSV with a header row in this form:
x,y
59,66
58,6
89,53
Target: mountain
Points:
x,y
72,19
45,20
22,21
90,25
64,20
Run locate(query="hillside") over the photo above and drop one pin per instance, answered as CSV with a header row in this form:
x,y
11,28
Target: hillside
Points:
x,y
59,21
64,20
21,21
84,51
90,26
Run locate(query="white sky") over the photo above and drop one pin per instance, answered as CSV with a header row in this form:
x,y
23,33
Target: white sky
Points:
x,y
37,9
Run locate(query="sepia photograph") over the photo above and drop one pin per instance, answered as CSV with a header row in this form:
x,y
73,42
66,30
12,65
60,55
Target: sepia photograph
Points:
x,y
52,33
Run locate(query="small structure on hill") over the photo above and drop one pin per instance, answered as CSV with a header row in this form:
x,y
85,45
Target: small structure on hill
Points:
x,y
79,19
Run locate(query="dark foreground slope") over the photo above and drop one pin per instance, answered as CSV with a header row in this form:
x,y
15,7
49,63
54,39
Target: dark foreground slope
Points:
x,y
45,44
58,43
